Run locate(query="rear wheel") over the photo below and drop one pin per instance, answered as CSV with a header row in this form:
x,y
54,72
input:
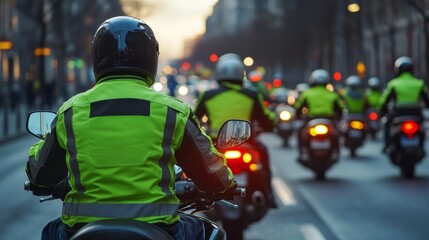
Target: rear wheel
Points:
x,y
320,175
353,152
407,171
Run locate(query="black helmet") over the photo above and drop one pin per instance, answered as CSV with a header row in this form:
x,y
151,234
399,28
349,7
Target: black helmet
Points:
x,y
403,64
125,45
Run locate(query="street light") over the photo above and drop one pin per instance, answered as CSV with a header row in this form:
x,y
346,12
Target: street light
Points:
x,y
5,45
353,7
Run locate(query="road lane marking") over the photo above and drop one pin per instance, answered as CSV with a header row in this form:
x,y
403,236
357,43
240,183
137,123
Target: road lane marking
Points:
x,y
310,232
284,192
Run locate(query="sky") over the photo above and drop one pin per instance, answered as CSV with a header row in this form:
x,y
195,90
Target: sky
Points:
x,y
175,21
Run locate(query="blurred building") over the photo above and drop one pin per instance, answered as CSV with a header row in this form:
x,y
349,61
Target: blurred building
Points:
x,y
45,53
294,37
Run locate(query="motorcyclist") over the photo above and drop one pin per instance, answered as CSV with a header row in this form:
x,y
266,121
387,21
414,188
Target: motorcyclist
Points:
x,y
406,92
118,143
254,81
354,98
374,91
232,101
318,102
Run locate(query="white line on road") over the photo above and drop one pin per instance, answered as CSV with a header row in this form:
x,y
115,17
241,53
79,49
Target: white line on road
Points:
x,y
310,232
284,192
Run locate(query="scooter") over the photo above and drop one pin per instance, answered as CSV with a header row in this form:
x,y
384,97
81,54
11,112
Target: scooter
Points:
x,y
373,121
285,127
406,143
319,146
245,163
354,132
232,134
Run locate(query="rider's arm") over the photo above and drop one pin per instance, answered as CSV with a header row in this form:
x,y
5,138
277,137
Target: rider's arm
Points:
x,y
425,96
201,161
339,107
385,98
300,104
46,165
200,107
265,117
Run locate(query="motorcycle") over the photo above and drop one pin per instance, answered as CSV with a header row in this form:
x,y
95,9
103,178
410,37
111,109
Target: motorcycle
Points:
x,y
285,127
406,143
245,163
319,146
232,134
354,132
373,122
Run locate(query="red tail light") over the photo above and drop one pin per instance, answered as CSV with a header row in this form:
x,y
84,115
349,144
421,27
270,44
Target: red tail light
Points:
x,y
409,127
373,116
240,160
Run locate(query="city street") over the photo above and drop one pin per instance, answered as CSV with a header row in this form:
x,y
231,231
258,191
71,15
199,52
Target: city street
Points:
x,y
362,198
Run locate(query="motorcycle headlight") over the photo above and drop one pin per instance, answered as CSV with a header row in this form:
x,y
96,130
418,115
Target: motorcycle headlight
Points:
x,y
285,115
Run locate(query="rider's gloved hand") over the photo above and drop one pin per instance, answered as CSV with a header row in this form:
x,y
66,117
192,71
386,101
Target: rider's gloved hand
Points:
x,y
230,192
61,189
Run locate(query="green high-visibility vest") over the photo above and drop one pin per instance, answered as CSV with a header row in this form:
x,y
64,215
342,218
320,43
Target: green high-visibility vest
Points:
x,y
99,129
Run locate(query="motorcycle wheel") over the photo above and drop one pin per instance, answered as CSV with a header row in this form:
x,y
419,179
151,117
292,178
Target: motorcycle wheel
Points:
x,y
320,175
407,171
234,229
353,152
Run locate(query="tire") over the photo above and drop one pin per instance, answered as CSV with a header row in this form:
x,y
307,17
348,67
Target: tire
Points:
x,y
407,171
320,175
353,152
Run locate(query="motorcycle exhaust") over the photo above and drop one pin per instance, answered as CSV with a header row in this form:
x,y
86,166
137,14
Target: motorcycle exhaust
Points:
x,y
258,199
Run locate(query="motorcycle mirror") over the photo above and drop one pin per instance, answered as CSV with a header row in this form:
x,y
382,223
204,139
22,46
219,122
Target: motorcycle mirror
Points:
x,y
233,133
39,123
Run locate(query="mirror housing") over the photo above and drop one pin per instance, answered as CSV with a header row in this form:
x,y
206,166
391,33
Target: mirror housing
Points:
x,y
39,123
233,133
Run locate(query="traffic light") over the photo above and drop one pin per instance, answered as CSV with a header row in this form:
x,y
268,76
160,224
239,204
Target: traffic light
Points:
x,y
186,66
337,76
213,57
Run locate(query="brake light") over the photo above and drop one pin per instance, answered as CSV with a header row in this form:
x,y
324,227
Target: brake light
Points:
x,y
373,116
356,125
233,154
319,129
409,127
239,160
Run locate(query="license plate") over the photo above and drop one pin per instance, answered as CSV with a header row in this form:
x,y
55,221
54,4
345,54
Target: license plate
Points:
x,y
241,179
320,144
355,134
409,142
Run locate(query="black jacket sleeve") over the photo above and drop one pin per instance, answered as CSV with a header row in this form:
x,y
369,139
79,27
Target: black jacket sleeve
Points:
x,y
48,166
201,161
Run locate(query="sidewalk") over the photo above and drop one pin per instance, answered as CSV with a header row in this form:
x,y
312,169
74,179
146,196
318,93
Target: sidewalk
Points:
x,y
15,124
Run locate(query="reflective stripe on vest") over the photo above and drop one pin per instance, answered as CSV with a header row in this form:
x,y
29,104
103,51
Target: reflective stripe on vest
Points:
x,y
170,124
71,148
111,210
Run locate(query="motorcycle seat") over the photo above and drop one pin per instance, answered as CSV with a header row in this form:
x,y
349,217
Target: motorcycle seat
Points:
x,y
120,229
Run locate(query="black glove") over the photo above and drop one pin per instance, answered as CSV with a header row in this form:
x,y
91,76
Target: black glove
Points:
x,y
230,192
61,189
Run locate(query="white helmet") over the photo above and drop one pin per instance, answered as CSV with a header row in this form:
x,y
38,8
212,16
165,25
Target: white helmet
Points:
x,y
319,76
374,83
353,81
230,67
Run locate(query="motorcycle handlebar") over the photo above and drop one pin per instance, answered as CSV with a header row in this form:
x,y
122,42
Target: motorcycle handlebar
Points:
x,y
186,191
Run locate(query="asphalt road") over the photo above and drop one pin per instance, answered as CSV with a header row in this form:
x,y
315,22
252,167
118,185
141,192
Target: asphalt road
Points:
x,y
362,198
